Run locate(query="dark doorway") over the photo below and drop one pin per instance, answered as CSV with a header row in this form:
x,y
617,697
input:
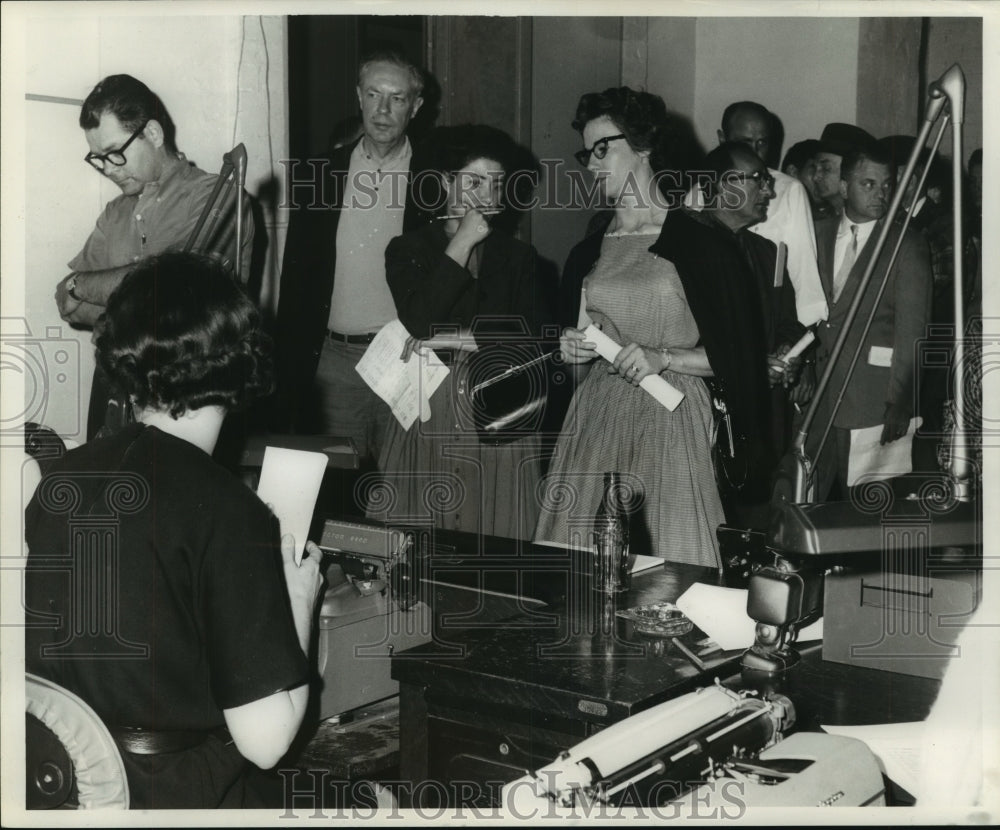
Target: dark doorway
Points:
x,y
323,56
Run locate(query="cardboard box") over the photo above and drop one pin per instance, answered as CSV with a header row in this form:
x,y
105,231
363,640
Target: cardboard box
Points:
x,y
899,622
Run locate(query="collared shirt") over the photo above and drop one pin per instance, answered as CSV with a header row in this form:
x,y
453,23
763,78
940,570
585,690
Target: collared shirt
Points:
x,y
372,215
158,219
844,238
789,220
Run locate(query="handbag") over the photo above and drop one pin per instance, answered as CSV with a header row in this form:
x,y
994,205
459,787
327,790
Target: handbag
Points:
x,y
730,455
508,389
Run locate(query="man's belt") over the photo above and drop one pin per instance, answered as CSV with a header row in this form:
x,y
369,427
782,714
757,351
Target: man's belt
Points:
x,y
153,742
351,339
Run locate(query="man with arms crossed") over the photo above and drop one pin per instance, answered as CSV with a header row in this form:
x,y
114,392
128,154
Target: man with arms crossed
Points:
x,y
131,140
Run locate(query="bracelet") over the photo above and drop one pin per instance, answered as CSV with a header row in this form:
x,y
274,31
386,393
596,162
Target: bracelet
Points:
x,y
668,357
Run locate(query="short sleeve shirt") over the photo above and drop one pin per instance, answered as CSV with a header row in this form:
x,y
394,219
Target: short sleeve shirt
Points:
x,y
159,219
154,587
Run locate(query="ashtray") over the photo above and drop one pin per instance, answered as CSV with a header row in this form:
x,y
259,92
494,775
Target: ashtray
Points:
x,y
660,619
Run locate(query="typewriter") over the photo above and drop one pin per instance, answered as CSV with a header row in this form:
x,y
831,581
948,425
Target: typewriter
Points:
x,y
710,748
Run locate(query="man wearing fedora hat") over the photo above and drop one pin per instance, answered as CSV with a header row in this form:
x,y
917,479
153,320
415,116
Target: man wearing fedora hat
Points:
x,y
837,141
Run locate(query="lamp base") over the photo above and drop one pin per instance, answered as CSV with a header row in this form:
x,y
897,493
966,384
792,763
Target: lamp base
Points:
x,y
769,662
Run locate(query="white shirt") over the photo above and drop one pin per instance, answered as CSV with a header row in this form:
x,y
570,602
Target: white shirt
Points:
x,y
789,220
844,239
372,215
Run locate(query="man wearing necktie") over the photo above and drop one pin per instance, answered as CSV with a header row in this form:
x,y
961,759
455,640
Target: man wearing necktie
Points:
x,y
881,388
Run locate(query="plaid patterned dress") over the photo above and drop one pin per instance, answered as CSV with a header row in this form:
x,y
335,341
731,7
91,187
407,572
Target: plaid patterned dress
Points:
x,y
612,426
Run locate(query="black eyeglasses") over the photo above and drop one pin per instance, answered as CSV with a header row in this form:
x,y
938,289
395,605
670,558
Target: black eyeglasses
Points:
x,y
762,178
600,149
116,158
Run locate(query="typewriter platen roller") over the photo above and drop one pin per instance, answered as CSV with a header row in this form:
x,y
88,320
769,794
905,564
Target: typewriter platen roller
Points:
x,y
710,744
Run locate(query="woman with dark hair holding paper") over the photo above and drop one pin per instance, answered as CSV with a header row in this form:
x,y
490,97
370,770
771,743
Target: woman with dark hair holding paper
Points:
x,y
199,661
637,299
466,289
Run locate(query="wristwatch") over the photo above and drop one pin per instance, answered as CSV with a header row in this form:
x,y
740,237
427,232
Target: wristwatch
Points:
x,y
71,288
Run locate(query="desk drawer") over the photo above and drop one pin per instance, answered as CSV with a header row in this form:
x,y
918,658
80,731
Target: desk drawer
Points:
x,y
477,758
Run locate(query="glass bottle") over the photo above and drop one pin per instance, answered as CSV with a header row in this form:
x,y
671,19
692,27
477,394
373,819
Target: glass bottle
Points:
x,y
611,559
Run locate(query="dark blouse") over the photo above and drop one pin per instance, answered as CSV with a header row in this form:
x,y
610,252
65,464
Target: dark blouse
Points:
x,y
154,590
431,290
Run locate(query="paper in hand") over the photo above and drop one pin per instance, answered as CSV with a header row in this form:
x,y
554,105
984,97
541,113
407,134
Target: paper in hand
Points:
x,y
406,386
669,396
869,458
289,483
800,346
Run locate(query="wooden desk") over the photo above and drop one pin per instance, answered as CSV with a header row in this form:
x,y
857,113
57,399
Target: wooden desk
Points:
x,y
480,706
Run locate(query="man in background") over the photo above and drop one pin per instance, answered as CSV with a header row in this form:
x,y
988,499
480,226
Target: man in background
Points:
x,y
334,297
800,163
880,390
131,140
836,142
746,319
789,220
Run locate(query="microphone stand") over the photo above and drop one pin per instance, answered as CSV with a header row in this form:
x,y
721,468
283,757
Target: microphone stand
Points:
x,y
948,89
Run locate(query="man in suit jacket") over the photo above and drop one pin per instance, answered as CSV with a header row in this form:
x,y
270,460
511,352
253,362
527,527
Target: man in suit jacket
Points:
x,y
881,388
746,317
333,297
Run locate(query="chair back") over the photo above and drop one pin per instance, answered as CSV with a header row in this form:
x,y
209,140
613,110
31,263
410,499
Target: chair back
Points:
x,y
72,760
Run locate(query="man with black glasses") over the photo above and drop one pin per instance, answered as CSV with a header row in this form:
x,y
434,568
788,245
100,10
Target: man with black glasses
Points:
x,y
742,300
131,140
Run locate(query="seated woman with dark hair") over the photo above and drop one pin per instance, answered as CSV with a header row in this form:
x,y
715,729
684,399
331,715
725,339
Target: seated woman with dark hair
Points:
x,y
174,609
461,283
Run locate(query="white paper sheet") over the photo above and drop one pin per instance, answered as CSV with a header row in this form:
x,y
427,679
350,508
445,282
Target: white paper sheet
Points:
x,y
898,747
405,386
868,458
289,483
669,396
722,614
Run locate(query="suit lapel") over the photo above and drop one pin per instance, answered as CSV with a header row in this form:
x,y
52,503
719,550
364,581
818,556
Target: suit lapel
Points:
x,y
826,235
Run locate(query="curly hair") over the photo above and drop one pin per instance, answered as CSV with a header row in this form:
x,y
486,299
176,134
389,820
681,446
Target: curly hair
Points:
x,y
646,124
446,150
179,333
130,101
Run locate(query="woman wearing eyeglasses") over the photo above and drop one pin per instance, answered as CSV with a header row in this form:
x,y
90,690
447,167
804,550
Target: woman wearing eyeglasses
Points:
x,y
631,145
468,290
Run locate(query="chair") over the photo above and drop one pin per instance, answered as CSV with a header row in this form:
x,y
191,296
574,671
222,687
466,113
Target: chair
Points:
x,y
71,760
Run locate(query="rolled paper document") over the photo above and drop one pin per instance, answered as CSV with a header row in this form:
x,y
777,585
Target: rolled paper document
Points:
x,y
799,347
669,396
